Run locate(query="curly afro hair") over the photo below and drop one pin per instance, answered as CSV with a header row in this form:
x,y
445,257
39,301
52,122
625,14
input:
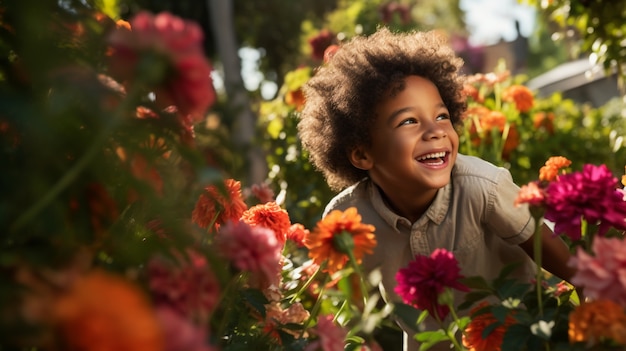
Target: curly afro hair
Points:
x,y
342,95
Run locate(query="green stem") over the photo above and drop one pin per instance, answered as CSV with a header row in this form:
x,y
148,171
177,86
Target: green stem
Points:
x,y
89,155
357,269
537,257
306,284
316,307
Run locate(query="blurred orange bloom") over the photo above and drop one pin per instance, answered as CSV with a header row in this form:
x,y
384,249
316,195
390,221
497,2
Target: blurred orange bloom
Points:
x,y
322,241
545,120
550,170
511,142
104,312
213,208
473,93
295,98
521,96
599,320
269,215
493,119
473,337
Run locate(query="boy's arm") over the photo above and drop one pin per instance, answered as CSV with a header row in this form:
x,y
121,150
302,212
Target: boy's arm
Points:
x,y
554,254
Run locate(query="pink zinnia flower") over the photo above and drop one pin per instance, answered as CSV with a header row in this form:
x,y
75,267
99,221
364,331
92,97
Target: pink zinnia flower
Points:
x,y
602,276
591,194
190,87
179,333
421,282
253,249
530,194
188,285
331,336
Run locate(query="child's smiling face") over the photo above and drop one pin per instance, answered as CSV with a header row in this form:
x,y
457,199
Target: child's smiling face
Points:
x,y
414,143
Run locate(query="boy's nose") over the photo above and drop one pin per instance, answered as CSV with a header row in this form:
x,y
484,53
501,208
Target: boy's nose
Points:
x,y
434,131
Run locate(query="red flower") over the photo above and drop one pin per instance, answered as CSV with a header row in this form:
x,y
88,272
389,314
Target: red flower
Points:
x,y
421,282
215,207
320,42
296,233
271,216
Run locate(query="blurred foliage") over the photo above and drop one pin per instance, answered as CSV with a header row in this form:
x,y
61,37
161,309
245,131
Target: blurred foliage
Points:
x,y
595,27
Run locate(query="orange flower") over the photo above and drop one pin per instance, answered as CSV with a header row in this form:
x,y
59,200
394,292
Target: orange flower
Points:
x,y
213,208
295,98
473,93
550,171
511,143
493,119
545,120
596,321
521,96
269,215
104,312
473,337
322,242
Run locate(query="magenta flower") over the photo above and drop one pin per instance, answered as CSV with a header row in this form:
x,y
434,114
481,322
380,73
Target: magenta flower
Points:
x,y
591,194
187,285
421,282
602,276
253,249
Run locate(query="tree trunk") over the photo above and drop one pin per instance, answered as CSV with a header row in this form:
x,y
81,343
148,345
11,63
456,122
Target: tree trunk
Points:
x,y
221,18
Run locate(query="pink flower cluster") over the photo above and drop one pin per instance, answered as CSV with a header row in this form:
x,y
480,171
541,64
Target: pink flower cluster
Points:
x,y
421,282
190,86
188,285
253,249
603,276
331,336
591,194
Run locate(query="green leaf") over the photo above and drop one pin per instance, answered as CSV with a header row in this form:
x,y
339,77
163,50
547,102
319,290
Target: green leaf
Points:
x,y
429,338
477,283
256,299
516,337
409,315
472,297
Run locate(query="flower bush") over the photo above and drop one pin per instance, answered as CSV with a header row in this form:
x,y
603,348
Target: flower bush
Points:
x,y
126,234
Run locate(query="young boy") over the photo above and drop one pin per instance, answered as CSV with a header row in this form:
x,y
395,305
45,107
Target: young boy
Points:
x,y
379,122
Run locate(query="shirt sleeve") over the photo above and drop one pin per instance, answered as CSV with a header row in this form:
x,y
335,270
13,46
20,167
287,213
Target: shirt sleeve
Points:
x,y
512,223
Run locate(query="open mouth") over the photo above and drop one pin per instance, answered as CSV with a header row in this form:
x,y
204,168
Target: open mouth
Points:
x,y
434,159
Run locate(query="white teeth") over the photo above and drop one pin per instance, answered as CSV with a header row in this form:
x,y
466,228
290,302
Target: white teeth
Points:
x,y
433,155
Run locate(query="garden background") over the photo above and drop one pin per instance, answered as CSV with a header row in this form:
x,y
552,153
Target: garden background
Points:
x,y
120,120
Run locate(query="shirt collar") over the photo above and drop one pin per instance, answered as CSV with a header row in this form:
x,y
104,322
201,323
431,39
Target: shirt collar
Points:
x,y
436,212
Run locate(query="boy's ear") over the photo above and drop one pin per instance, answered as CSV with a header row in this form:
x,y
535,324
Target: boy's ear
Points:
x,y
360,158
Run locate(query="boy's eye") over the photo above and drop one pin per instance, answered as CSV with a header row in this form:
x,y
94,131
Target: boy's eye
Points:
x,y
443,116
408,121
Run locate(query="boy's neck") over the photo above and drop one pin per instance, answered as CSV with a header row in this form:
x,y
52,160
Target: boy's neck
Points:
x,y
411,208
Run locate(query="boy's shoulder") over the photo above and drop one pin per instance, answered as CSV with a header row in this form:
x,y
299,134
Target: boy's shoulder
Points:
x,y
476,168
355,195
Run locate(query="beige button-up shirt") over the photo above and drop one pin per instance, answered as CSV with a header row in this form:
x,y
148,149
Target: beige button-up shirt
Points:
x,y
473,217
